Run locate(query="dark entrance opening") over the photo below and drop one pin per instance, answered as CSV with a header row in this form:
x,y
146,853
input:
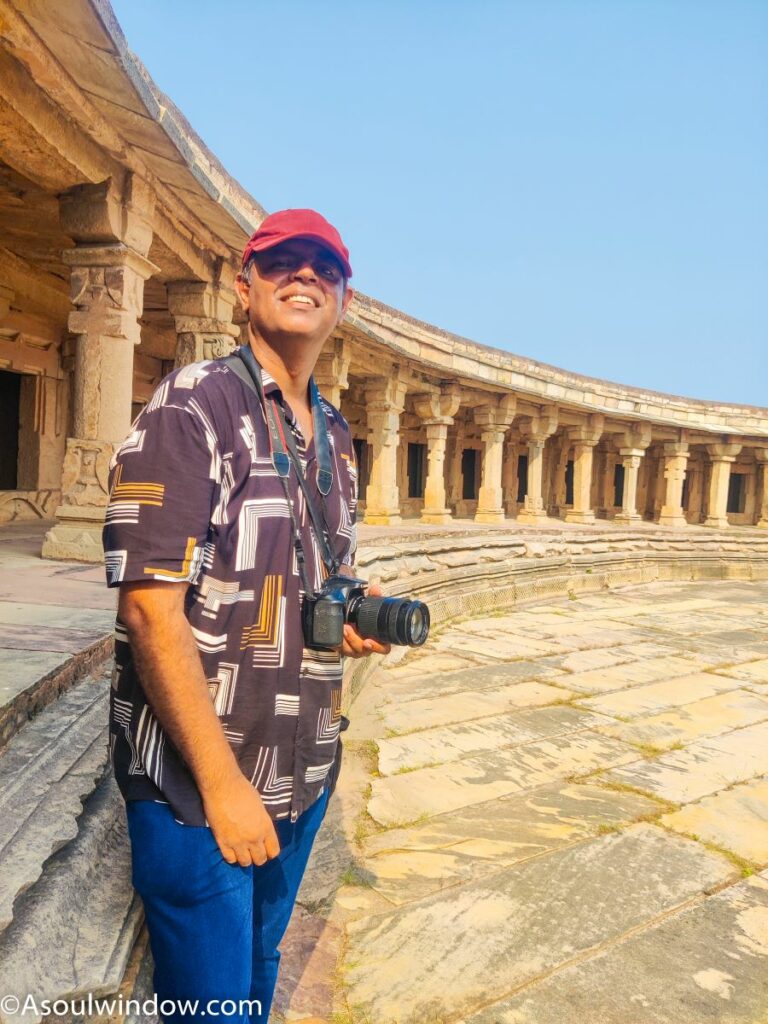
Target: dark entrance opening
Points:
x,y
417,461
468,471
522,477
618,486
569,482
736,493
10,394
362,457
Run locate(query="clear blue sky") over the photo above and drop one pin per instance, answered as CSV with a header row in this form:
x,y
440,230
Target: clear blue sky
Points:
x,y
578,181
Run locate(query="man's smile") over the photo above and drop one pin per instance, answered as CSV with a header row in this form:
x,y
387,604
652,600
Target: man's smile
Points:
x,y
300,299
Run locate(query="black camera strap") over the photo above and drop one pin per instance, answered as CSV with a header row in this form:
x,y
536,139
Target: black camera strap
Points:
x,y
283,449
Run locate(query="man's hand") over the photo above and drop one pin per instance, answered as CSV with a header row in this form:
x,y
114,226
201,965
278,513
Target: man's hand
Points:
x,y
356,646
240,824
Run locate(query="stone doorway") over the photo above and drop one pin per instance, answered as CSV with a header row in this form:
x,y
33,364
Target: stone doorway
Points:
x,y
10,401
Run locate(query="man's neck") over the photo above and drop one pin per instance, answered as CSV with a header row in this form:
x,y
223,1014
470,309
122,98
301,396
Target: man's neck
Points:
x,y
290,370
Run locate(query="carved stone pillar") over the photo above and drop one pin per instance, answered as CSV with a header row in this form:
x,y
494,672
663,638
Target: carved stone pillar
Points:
x,y
437,412
107,292
332,369
675,459
558,490
385,402
455,478
722,457
495,419
537,429
584,440
633,444
630,460
202,313
761,456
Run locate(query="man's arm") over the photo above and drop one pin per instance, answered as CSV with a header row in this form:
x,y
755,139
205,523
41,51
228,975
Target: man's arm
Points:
x,y
171,673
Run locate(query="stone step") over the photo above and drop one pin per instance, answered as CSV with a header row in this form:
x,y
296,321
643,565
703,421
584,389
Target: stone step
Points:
x,y
73,932
46,771
37,665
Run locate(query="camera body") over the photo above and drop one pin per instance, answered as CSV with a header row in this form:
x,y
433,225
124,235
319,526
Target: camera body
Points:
x,y
394,620
323,616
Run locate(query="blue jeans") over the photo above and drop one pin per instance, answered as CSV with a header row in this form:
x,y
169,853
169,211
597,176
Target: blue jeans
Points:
x,y
214,927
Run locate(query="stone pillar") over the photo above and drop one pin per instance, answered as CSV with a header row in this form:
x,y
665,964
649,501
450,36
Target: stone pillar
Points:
x,y
202,313
722,456
584,439
632,446
107,292
385,401
557,503
761,457
437,412
538,428
332,369
630,460
509,477
455,479
675,459
494,419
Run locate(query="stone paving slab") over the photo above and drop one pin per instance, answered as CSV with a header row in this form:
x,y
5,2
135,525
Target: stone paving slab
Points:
x,y
702,768
405,798
453,742
505,647
752,672
416,965
708,717
463,706
22,637
56,616
425,681
670,693
719,656
707,963
408,864
646,670
736,820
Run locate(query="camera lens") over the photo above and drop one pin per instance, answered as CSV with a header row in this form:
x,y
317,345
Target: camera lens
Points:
x,y
394,620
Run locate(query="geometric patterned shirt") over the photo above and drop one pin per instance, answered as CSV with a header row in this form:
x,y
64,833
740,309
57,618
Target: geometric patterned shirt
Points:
x,y
194,500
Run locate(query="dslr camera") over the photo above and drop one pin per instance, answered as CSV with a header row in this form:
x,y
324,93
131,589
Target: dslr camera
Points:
x,y
394,620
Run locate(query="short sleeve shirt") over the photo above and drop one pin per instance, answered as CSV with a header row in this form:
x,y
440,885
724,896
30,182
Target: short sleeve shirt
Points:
x,y
195,500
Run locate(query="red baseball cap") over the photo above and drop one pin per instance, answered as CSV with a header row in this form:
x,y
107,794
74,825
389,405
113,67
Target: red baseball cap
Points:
x,y
279,227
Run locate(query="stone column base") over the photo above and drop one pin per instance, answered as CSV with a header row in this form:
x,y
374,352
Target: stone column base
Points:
x,y
382,518
436,516
672,520
76,535
572,516
526,516
628,520
716,522
490,516
762,524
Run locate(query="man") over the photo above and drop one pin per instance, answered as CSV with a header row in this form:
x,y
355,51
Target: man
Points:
x,y
224,728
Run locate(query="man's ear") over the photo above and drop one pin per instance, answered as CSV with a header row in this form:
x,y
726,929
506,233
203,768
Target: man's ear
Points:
x,y
242,290
346,298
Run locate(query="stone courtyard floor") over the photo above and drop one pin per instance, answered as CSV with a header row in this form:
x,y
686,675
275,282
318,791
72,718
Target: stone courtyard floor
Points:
x,y
555,814
565,819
